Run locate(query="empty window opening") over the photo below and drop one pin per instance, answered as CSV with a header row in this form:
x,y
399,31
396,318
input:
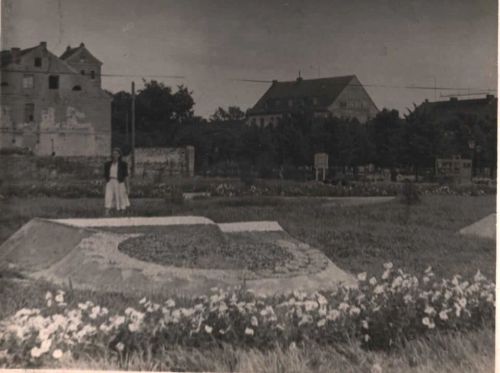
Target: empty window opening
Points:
x,y
38,62
77,88
29,112
53,82
92,74
28,81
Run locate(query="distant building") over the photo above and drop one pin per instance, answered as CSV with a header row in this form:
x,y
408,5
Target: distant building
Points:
x,y
54,105
485,108
341,96
455,170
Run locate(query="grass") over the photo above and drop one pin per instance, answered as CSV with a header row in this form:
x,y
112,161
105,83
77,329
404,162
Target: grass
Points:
x,y
357,238
472,352
201,246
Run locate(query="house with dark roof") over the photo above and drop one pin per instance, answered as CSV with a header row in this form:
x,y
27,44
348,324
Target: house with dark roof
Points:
x,y
54,105
453,108
343,97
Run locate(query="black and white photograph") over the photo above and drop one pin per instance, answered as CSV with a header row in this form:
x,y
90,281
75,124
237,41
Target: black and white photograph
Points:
x,y
248,186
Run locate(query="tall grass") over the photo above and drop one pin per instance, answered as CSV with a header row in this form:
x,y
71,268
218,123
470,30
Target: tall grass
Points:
x,y
442,353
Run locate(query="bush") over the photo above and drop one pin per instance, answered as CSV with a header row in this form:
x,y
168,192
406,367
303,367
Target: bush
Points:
x,y
381,312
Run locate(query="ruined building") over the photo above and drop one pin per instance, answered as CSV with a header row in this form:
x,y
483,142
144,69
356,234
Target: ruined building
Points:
x,y
54,105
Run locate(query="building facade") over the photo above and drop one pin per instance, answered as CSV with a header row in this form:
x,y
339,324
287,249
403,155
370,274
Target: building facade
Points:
x,y
343,97
54,105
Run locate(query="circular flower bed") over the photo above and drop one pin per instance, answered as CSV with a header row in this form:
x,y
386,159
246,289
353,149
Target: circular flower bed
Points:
x,y
200,246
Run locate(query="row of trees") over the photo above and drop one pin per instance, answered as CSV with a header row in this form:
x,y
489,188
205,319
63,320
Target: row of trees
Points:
x,y
165,118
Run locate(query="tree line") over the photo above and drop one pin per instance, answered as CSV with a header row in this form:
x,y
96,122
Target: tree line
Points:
x,y
225,144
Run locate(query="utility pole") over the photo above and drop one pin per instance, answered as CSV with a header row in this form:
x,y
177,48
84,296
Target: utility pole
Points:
x,y
132,169
127,130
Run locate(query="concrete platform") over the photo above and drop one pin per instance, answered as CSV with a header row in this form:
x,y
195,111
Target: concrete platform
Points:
x,y
81,252
484,228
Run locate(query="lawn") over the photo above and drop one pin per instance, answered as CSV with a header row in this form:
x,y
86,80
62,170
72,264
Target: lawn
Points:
x,y
357,238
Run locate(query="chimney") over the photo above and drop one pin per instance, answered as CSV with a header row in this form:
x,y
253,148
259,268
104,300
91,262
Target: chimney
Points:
x,y
454,99
43,44
82,45
16,55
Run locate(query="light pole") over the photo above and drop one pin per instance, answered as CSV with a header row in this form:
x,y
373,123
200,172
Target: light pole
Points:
x,y
472,146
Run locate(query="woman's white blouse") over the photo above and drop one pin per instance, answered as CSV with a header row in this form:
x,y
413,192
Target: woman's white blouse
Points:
x,y
113,171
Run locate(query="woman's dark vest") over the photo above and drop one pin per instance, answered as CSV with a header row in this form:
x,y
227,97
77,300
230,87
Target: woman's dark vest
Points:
x,y
122,171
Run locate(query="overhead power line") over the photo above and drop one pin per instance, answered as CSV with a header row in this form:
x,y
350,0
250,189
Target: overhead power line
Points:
x,y
264,81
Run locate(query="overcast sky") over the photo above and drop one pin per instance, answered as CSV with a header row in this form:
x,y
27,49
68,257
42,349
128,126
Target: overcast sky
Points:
x,y
450,43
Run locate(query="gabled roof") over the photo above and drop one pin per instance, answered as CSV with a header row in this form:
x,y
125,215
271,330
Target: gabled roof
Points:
x,y
69,52
6,55
324,91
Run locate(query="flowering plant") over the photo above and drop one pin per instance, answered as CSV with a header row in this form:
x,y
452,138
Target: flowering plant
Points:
x,y
379,312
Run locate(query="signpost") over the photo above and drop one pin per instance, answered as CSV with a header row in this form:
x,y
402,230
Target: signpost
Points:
x,y
321,165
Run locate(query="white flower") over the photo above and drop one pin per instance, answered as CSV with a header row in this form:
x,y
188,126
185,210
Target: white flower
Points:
x,y
208,329
428,322
429,310
321,300
321,323
59,298
354,311
407,298
117,320
249,331
366,337
379,289
479,276
364,324
143,300
362,276
443,315
134,327
120,346
36,352
48,295
428,270
57,354
170,303
376,368
254,321
310,305
49,303
343,306
397,282
462,302
386,274
223,307
388,265
373,281
426,279
333,315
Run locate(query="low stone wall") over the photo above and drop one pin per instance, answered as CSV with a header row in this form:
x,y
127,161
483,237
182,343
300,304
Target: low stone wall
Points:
x,y
160,163
28,167
152,164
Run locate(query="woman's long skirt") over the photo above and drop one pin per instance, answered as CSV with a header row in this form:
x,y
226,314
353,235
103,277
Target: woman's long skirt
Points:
x,y
116,195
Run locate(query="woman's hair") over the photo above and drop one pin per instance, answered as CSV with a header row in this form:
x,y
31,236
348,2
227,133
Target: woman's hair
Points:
x,y
119,152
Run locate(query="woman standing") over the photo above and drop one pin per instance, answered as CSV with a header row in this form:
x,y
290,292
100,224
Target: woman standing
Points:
x,y
117,186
